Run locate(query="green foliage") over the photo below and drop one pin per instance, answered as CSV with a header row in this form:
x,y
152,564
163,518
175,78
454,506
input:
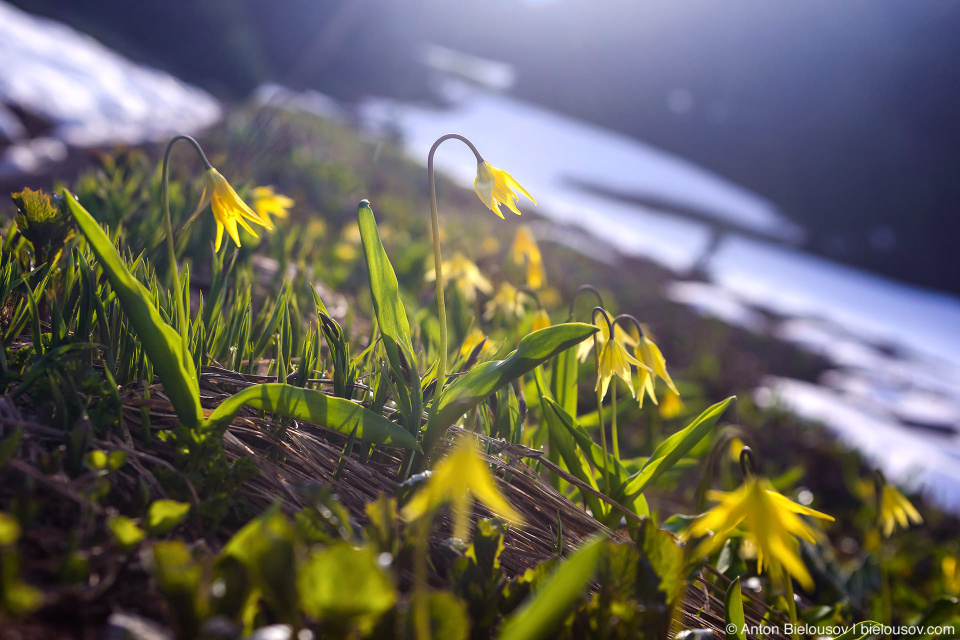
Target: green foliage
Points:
x,y
546,608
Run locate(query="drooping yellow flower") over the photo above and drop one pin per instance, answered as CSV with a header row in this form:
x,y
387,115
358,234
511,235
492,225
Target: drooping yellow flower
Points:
x,y
267,202
624,337
896,509
770,521
614,361
649,354
508,301
228,209
540,320
496,187
473,339
525,251
467,276
458,476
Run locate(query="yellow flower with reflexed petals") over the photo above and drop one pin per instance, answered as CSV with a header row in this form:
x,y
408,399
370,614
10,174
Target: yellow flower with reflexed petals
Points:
x,y
896,509
649,354
495,187
770,521
460,475
624,337
229,209
267,202
525,250
614,361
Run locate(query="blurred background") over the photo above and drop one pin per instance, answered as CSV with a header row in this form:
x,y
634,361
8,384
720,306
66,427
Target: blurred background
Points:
x,y
795,160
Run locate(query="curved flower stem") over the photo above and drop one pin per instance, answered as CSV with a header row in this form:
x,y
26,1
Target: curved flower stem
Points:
x,y
168,229
603,431
437,260
584,287
632,319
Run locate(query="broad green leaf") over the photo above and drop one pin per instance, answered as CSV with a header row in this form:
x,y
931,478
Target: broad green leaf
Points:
x,y
163,345
675,447
391,315
127,533
540,614
485,379
665,556
314,406
342,583
733,607
164,515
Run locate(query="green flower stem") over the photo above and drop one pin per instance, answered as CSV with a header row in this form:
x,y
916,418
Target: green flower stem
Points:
x,y
168,227
603,431
791,601
437,260
613,420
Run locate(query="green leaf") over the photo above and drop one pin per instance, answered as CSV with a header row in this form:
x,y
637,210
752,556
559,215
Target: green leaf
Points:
x,y
178,578
563,442
390,312
164,515
486,378
540,615
163,345
265,546
314,406
343,583
563,380
733,608
675,447
127,533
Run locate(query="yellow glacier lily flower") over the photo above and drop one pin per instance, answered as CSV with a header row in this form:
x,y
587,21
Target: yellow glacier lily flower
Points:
x,y
228,209
896,509
525,250
614,361
457,477
770,521
624,337
649,354
495,187
267,202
